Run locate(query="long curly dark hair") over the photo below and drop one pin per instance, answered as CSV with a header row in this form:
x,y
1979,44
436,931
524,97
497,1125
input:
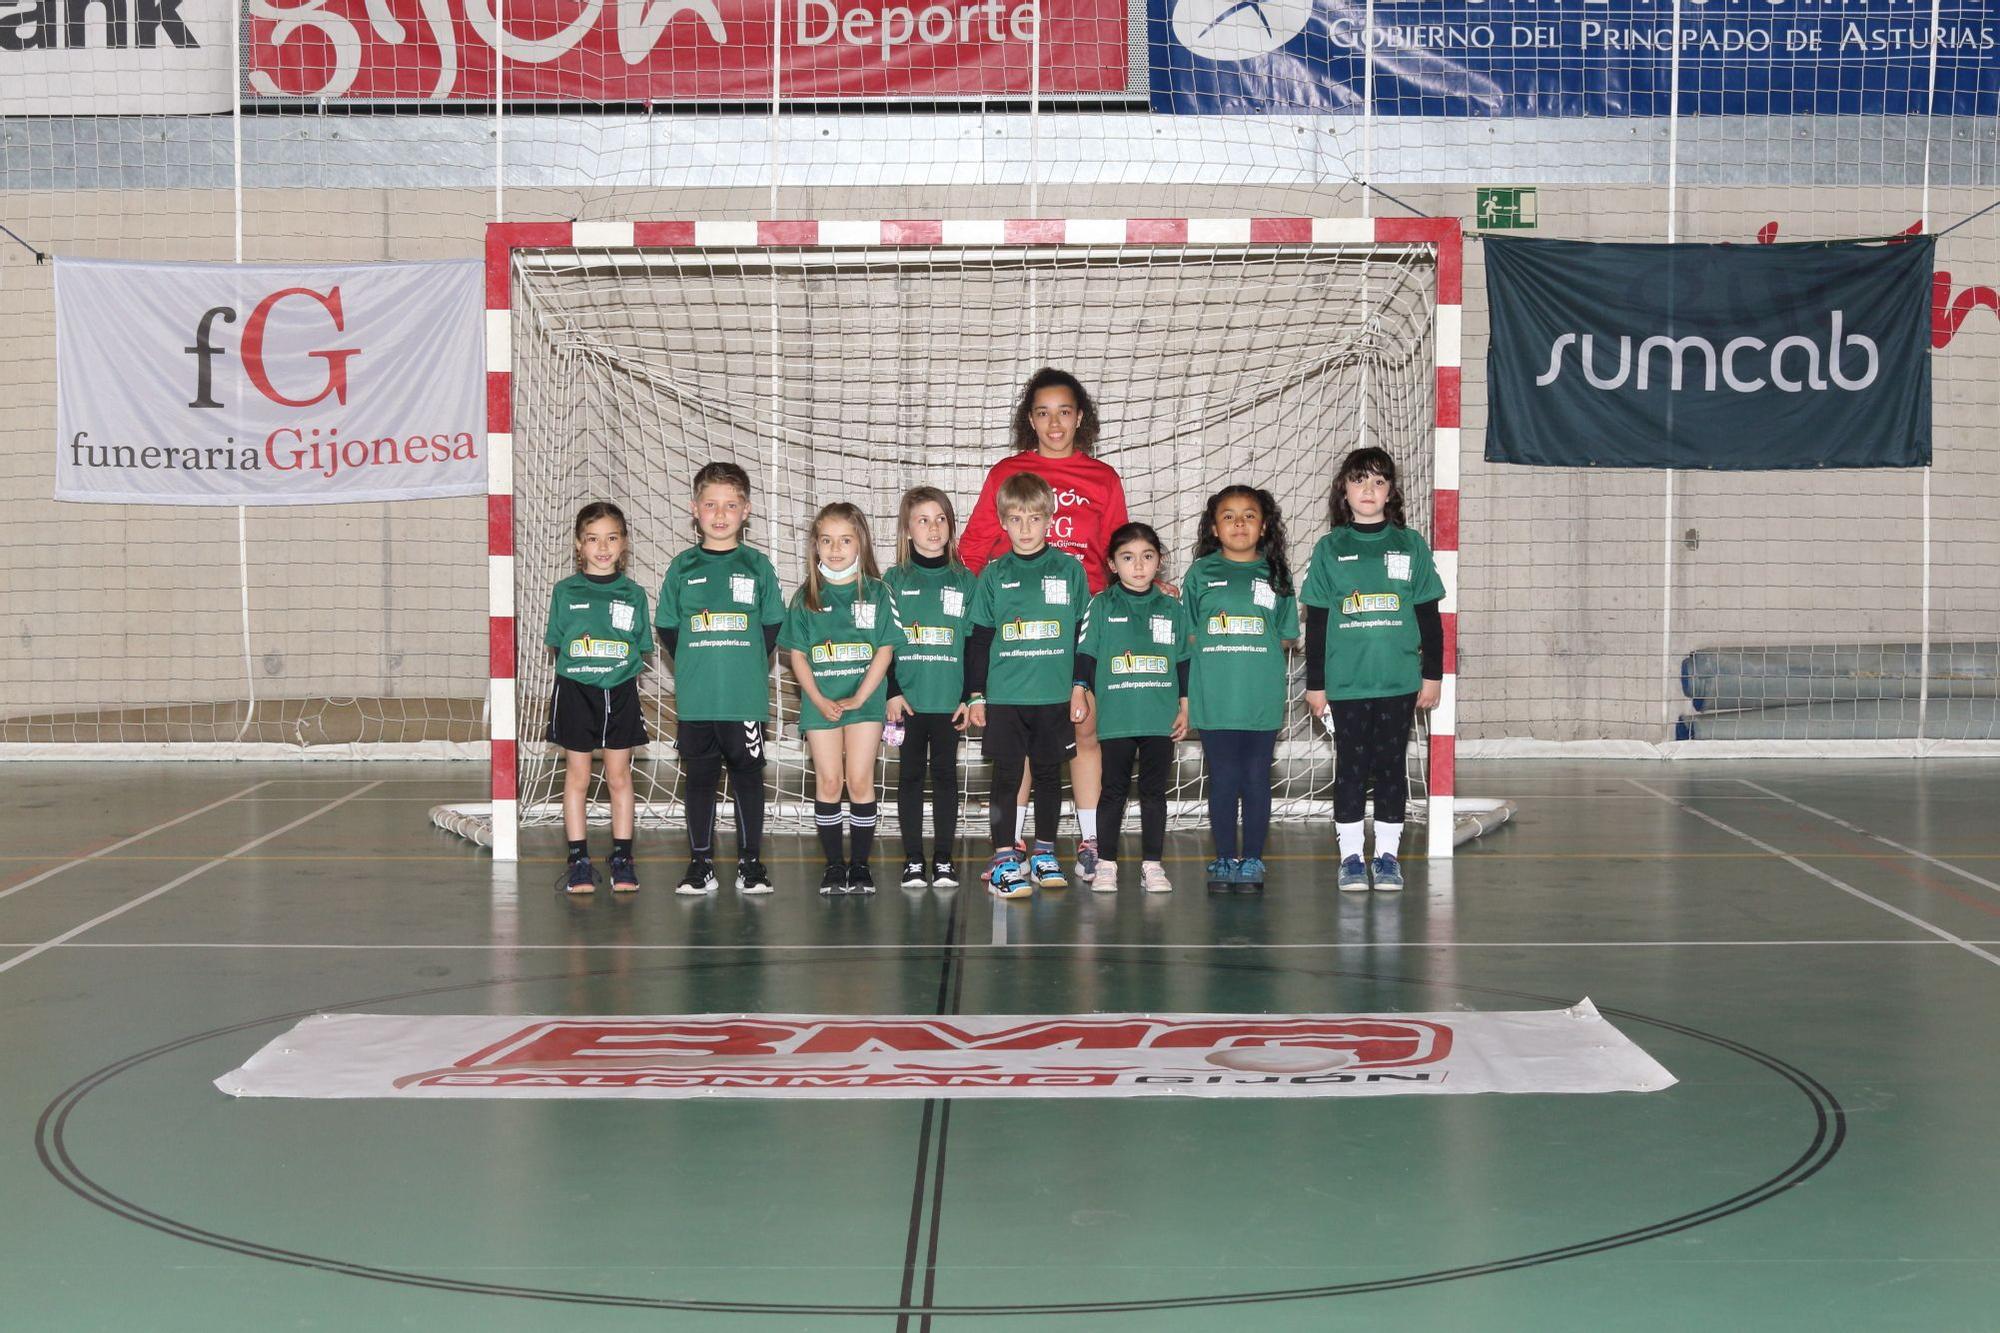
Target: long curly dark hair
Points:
x,y
1048,377
1270,546
1370,462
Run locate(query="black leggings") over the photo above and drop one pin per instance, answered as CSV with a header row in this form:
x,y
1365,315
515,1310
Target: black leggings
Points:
x,y
930,748
1239,770
1007,786
1156,761
1371,742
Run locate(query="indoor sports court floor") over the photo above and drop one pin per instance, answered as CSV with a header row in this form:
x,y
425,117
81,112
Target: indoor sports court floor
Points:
x,y
1813,949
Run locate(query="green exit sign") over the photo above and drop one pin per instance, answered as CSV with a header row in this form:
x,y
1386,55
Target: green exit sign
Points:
x,y
1506,208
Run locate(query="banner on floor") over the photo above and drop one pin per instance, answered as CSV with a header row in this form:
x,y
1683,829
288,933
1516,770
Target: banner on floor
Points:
x,y
117,58
1736,357
685,50
991,1055
1574,57
268,384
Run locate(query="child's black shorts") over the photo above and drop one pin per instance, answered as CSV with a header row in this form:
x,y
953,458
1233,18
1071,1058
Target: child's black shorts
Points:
x,y
1038,733
586,717
740,744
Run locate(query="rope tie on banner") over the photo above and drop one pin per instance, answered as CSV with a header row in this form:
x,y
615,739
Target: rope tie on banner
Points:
x,y
41,257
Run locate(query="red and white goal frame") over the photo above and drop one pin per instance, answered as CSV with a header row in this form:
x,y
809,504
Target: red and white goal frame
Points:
x,y
1442,236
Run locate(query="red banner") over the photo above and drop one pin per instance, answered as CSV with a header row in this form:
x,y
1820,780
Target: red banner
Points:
x,y
683,50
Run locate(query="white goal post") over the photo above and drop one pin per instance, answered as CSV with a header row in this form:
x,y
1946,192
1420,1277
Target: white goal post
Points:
x,y
789,409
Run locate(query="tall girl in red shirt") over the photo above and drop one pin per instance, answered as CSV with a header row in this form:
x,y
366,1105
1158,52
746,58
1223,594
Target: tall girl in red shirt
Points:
x,y
1055,434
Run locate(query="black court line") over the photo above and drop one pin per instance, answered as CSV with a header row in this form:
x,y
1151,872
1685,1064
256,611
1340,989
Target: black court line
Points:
x,y
944,1135
52,1147
937,1111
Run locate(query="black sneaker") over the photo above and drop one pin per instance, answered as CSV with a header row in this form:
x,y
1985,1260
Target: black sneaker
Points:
x,y
944,875
860,879
624,874
751,877
834,880
699,879
913,875
579,876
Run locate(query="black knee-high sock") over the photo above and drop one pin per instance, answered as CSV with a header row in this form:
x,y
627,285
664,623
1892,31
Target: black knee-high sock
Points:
x,y
861,817
700,802
828,815
1047,795
1000,804
748,789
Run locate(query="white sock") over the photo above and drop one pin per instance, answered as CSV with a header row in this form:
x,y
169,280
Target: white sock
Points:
x,y
1020,823
1388,839
1352,838
1088,819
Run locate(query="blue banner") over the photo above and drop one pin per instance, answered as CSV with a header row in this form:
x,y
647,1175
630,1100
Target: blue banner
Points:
x,y
1572,57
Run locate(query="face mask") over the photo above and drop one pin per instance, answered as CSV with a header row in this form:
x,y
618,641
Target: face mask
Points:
x,y
840,575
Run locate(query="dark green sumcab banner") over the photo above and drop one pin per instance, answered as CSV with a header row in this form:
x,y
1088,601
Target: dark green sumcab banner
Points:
x,y
1738,357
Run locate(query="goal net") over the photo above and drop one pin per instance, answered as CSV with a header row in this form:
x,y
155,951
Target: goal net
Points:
x,y
852,361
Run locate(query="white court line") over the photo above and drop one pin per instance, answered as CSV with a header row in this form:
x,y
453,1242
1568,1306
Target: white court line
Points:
x,y
1016,946
1860,832
176,882
1822,876
127,842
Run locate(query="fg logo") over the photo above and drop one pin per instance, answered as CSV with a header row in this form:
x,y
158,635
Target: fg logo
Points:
x,y
205,351
1238,29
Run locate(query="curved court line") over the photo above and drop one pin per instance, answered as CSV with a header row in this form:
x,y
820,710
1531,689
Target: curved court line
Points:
x,y
52,1148
109,848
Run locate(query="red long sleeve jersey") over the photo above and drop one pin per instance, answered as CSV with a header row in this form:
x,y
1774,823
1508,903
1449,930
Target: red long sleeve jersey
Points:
x,y
1090,506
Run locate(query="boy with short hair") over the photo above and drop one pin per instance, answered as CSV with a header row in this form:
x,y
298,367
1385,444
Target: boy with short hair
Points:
x,y
720,608
1020,662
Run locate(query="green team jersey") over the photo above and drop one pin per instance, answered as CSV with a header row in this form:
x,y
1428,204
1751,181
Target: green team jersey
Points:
x,y
1240,623
1371,584
934,606
1032,604
720,601
1139,641
839,642
600,631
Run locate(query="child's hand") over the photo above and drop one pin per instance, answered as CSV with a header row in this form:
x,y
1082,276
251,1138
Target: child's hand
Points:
x,y
830,709
1291,645
961,717
975,713
1079,703
1179,732
1427,697
1316,701
898,708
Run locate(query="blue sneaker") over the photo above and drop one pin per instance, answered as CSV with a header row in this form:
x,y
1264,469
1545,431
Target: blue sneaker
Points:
x,y
1086,860
1046,871
579,876
1221,872
1388,874
1250,873
1007,877
1353,876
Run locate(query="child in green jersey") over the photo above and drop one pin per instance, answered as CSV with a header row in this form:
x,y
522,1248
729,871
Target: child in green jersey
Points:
x,y
1026,610
1245,615
718,621
1374,655
598,632
1132,657
926,685
840,632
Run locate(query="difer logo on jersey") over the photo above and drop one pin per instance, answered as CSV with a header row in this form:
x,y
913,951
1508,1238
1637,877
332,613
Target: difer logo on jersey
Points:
x,y
1238,29
756,1051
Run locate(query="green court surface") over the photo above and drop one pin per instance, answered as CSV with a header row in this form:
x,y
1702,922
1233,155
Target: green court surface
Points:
x,y
1813,949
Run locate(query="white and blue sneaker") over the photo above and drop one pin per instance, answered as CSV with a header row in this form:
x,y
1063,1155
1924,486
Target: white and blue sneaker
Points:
x,y
1007,877
1353,876
1388,874
1046,871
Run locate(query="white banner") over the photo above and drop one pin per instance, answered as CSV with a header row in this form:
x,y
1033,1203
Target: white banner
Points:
x,y
128,58
268,384
986,1055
